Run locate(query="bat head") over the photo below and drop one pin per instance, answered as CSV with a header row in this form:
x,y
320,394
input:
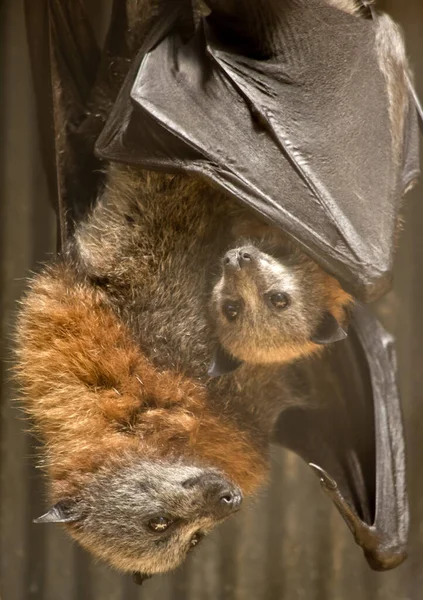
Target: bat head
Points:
x,y
145,517
275,304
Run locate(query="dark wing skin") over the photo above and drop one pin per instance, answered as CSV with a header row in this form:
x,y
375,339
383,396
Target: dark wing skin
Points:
x,y
352,434
309,148
76,85
180,116
65,59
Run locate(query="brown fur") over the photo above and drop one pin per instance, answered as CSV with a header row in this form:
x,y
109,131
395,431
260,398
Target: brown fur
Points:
x,y
114,343
94,395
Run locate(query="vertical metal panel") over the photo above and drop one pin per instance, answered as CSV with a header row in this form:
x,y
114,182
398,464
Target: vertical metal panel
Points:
x,y
287,544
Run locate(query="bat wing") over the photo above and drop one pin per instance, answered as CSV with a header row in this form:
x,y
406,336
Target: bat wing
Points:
x,y
65,59
262,131
76,84
303,138
353,437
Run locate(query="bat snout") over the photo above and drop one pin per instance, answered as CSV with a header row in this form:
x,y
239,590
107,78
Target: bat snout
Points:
x,y
239,259
230,501
223,499
220,497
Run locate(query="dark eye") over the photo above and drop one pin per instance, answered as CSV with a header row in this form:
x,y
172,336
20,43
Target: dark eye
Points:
x,y
231,310
159,524
196,539
279,300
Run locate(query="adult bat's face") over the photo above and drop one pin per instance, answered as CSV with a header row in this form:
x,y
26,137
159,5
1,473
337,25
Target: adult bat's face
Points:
x,y
273,307
147,516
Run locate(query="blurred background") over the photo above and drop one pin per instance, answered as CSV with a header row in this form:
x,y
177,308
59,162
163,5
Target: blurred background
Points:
x,y
289,543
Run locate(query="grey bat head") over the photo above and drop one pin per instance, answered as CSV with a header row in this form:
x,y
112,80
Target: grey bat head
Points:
x,y
274,306
145,517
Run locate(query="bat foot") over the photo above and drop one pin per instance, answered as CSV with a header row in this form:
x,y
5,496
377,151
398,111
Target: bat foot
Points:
x,y
381,554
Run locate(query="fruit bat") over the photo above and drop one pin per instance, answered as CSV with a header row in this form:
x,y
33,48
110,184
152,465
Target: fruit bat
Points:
x,y
292,140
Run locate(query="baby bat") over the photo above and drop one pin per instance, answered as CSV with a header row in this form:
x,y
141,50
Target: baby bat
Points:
x,y
144,452
272,303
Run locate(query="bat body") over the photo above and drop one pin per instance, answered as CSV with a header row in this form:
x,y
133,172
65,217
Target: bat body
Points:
x,y
119,435
115,339
115,384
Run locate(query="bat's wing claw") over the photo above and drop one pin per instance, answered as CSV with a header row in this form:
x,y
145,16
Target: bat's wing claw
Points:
x,y
351,436
380,556
327,482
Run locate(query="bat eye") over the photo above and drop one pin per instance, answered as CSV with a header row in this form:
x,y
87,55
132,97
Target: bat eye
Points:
x,y
231,310
196,539
159,524
279,300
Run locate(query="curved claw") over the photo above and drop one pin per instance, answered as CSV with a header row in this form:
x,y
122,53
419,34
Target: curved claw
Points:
x,y
354,522
380,556
325,479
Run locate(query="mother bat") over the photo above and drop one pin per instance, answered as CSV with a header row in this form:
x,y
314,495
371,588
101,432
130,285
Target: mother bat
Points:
x,y
145,453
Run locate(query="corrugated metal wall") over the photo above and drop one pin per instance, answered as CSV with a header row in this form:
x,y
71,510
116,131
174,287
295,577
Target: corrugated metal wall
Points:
x,y
290,543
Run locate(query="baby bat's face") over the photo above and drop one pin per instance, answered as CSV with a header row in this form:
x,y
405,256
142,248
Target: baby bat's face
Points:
x,y
146,516
270,307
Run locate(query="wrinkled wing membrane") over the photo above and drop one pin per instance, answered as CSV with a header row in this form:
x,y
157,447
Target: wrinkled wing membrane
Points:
x,y
352,435
306,147
76,84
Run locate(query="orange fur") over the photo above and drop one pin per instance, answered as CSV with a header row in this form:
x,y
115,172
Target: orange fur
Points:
x,y
95,398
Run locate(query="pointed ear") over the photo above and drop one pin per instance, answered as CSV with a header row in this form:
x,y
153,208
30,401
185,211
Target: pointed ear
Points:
x,y
62,512
139,578
328,331
223,363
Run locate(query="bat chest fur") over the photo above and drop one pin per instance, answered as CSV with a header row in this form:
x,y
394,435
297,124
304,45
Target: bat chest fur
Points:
x,y
162,262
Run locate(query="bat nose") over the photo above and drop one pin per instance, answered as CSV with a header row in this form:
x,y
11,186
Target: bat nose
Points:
x,y
230,501
220,496
225,498
238,259
245,259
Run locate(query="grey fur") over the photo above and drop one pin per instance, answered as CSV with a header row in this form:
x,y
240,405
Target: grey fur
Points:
x,y
115,508
154,244
349,6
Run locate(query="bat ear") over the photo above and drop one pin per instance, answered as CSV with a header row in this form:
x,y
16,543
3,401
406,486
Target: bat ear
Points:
x,y
223,363
328,331
62,512
139,578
